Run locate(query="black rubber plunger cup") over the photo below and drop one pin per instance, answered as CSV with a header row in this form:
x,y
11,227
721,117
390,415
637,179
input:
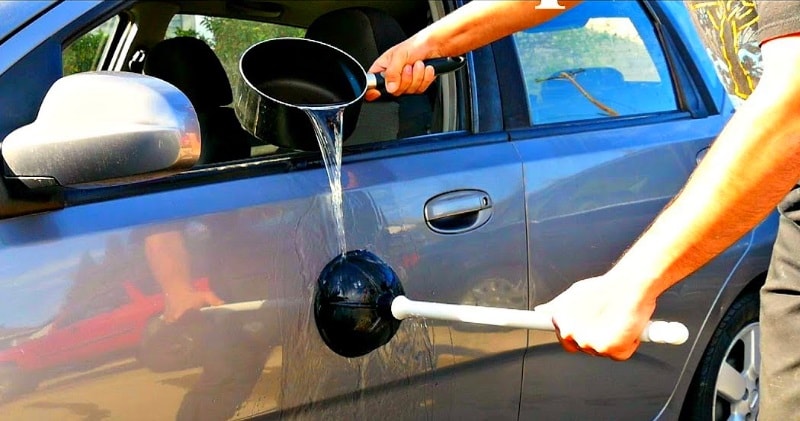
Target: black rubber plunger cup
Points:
x,y
352,303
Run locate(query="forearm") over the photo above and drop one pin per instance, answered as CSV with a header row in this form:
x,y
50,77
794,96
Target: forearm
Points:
x,y
168,259
750,167
481,22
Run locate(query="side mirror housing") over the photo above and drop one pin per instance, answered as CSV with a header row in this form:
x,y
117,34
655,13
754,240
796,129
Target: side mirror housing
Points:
x,y
104,128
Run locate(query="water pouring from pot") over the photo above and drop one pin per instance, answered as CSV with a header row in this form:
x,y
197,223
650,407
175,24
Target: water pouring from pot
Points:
x,y
359,302
306,95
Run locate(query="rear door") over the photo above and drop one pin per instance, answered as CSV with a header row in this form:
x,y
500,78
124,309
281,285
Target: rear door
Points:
x,y
617,121
261,229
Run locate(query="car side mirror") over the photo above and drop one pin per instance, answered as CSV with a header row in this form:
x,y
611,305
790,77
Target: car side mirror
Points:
x,y
104,128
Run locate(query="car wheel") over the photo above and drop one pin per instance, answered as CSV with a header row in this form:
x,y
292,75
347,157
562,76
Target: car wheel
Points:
x,y
726,383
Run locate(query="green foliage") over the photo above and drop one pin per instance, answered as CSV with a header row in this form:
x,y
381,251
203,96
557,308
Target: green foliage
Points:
x,y
180,32
232,37
544,54
83,54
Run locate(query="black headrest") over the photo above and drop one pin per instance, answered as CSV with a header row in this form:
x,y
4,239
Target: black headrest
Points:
x,y
363,32
190,65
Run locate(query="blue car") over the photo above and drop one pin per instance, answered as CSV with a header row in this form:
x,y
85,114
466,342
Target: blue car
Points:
x,y
160,261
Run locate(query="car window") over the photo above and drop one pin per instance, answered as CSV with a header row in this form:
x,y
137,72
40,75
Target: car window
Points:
x,y
601,59
137,33
85,53
228,37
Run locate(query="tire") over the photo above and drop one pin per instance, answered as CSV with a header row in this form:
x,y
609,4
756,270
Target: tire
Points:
x,y
732,358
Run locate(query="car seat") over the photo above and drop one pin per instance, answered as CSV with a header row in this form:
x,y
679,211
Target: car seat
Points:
x,y
191,65
365,33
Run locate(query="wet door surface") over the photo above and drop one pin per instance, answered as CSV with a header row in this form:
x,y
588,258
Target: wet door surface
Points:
x,y
267,238
260,230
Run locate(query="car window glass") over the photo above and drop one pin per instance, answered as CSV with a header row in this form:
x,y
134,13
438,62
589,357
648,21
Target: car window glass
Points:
x,y
84,54
601,59
229,38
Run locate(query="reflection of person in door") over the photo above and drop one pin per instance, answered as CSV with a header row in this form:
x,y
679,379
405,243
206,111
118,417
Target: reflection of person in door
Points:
x,y
168,259
232,348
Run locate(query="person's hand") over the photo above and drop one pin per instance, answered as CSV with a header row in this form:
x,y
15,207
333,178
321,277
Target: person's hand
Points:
x,y
403,69
600,316
177,304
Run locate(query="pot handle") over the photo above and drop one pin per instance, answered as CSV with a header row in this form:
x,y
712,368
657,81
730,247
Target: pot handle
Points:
x,y
440,66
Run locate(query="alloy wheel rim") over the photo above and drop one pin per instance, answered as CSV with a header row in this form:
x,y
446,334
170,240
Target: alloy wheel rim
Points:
x,y
736,390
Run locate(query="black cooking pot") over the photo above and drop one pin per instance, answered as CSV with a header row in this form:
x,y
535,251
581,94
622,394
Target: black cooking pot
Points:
x,y
283,77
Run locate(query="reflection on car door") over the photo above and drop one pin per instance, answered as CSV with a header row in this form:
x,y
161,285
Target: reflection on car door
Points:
x,y
267,238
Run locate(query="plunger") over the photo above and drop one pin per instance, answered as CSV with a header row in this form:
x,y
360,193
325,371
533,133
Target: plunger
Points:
x,y
359,304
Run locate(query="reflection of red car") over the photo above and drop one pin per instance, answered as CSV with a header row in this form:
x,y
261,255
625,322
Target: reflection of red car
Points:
x,y
81,333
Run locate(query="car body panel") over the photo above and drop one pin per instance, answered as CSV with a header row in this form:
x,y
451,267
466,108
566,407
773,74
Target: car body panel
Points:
x,y
270,238
565,204
596,188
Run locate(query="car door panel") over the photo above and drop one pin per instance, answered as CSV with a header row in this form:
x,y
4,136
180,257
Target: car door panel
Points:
x,y
262,230
589,196
267,238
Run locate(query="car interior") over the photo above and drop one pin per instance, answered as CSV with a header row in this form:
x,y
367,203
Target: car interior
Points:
x,y
175,41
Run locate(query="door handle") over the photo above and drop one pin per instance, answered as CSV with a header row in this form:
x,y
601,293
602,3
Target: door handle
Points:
x,y
458,211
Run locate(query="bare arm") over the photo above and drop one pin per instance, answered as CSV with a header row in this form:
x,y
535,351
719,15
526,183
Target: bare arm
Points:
x,y
479,23
474,25
748,170
169,261
753,163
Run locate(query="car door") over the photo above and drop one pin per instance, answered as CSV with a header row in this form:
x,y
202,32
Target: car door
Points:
x,y
613,131
261,230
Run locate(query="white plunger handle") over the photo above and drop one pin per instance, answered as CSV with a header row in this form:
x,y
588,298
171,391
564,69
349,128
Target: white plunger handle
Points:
x,y
673,333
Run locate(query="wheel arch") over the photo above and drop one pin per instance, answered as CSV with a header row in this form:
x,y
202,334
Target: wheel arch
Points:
x,y
749,283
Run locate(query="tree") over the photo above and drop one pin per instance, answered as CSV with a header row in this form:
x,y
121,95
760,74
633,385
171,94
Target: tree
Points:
x,y
232,37
83,54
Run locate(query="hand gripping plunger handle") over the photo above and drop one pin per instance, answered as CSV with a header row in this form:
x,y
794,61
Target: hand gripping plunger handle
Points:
x,y
673,333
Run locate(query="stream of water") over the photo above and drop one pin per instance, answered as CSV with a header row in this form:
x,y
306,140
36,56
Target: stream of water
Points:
x,y
328,123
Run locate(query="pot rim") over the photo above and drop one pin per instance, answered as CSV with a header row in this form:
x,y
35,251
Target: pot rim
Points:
x,y
246,80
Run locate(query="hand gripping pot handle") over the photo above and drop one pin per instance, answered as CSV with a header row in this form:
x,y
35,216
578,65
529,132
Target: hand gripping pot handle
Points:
x,y
662,332
440,66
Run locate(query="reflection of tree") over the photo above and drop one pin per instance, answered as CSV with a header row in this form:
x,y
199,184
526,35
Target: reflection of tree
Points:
x,y
82,55
98,284
727,27
231,37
